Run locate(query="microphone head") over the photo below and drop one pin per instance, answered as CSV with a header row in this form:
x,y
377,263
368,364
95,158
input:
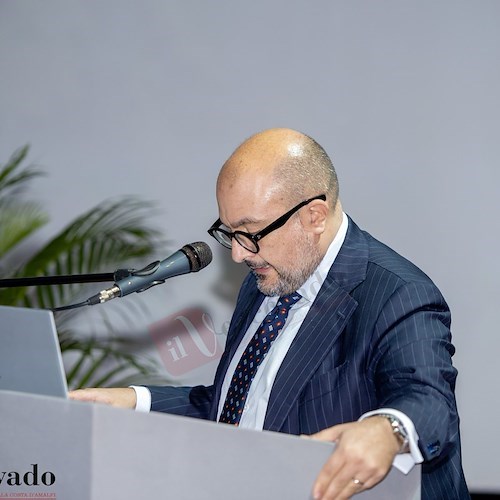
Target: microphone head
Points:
x,y
198,254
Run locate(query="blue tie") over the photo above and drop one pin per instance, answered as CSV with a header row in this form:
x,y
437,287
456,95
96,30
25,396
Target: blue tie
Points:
x,y
251,358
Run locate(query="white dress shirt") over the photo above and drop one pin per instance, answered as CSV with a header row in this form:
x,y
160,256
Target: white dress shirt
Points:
x,y
255,409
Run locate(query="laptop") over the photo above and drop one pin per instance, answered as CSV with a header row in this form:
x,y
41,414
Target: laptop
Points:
x,y
30,355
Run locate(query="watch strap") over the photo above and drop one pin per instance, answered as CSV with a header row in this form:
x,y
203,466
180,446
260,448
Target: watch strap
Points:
x,y
398,430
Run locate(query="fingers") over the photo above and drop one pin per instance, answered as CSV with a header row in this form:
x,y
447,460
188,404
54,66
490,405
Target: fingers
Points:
x,y
338,480
362,458
331,480
119,397
344,475
353,486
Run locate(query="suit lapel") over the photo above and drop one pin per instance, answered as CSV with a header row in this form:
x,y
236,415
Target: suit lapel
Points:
x,y
314,340
324,323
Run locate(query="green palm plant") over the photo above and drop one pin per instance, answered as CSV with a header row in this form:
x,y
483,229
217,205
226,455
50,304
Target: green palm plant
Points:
x,y
114,231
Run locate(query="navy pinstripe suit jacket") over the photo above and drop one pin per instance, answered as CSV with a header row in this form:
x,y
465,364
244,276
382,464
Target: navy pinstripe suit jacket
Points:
x,y
377,335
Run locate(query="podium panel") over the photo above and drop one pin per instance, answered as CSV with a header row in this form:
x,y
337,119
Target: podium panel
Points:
x,y
79,451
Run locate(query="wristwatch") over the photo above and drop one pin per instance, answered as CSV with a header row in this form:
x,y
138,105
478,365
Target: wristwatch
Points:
x,y
398,430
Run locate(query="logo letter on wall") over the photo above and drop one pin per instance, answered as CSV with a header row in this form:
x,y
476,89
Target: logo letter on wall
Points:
x,y
186,341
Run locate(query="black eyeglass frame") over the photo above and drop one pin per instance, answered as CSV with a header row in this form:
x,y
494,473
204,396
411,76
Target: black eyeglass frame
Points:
x,y
256,237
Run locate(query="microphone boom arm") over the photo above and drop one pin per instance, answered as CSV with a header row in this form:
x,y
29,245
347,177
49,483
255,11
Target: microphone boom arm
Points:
x,y
190,258
66,279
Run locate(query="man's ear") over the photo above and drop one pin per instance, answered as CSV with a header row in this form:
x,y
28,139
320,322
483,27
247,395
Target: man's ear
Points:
x,y
314,216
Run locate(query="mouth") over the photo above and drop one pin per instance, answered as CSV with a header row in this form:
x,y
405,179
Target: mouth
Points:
x,y
259,268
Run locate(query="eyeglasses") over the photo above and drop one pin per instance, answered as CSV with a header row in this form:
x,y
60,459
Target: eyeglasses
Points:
x,y
250,241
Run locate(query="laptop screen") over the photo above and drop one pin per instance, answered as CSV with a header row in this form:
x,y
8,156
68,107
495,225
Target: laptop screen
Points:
x,y
30,355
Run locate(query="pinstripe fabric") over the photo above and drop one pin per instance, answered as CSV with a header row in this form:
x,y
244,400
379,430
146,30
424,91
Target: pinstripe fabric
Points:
x,y
387,344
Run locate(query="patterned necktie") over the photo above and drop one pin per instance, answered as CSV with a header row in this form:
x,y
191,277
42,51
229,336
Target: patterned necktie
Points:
x,y
251,358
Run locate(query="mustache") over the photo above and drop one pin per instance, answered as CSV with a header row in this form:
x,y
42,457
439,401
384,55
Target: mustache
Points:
x,y
255,265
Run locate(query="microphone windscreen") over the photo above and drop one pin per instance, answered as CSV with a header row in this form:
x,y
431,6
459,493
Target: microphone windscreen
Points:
x,y
198,254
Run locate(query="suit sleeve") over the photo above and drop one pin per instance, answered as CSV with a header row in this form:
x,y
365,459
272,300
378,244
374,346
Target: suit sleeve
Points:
x,y
413,367
186,401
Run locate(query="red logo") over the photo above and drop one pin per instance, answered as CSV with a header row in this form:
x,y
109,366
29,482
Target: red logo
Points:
x,y
186,340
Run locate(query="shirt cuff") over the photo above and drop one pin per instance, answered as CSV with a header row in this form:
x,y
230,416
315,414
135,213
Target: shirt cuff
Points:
x,y
143,396
405,461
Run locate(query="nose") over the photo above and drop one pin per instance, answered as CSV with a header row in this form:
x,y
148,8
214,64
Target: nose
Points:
x,y
239,253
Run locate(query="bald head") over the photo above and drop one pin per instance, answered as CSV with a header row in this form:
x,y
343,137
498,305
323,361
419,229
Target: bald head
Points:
x,y
270,192
282,163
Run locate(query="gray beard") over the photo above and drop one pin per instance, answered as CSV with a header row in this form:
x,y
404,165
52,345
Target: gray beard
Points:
x,y
290,281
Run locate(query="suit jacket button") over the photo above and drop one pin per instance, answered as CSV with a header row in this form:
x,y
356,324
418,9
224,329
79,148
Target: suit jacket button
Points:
x,y
434,448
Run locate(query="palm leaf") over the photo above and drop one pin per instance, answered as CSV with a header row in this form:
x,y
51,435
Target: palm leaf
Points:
x,y
112,234
108,236
102,363
12,181
18,221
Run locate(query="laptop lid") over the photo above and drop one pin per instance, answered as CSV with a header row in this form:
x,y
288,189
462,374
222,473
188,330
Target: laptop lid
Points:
x,y
30,355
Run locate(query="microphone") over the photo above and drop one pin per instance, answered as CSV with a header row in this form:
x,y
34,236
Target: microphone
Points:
x,y
189,259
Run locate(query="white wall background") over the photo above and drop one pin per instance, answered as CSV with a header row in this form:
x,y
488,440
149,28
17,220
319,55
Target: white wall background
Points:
x,y
149,98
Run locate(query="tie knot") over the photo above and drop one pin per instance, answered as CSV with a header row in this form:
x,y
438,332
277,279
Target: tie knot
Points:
x,y
288,301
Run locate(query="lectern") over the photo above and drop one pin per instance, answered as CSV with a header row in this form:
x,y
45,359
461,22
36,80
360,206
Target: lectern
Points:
x,y
65,450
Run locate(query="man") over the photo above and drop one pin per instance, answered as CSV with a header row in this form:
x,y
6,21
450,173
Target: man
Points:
x,y
358,340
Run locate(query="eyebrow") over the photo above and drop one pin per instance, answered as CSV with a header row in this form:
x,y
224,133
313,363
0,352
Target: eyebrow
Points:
x,y
243,221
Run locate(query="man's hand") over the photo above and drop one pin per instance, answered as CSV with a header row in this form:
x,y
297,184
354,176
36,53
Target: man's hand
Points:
x,y
120,398
362,458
